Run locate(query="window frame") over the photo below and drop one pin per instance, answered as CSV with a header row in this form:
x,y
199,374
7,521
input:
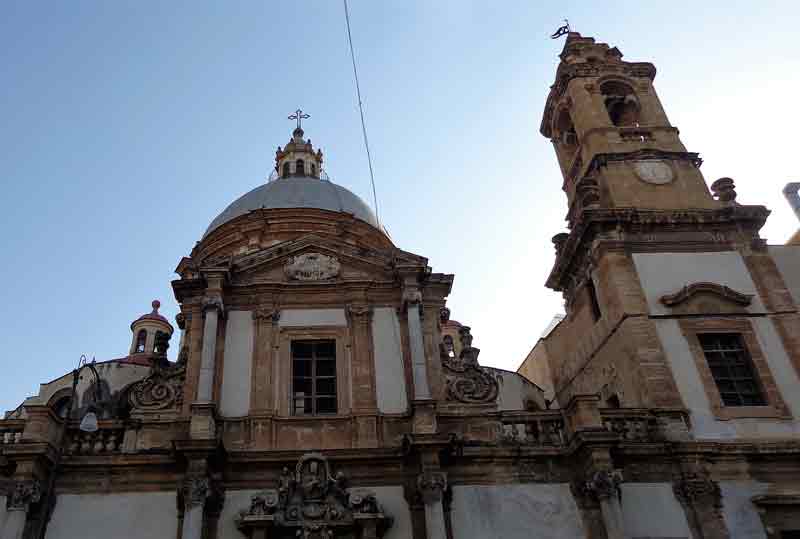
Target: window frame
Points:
x,y
313,377
730,357
284,369
774,406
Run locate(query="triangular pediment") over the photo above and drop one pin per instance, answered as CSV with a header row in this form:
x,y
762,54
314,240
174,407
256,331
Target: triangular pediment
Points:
x,y
313,258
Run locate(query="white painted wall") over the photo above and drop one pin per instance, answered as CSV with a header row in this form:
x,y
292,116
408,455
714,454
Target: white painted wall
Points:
x,y
390,497
741,516
651,510
312,317
237,366
133,515
390,379
514,390
787,258
515,512
704,424
666,273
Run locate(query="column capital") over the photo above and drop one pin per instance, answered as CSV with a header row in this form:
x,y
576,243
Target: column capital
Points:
x,y
360,313
268,313
604,484
431,486
213,301
195,490
24,493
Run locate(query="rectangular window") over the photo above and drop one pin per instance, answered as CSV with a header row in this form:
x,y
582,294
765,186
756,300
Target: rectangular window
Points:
x,y
314,377
732,369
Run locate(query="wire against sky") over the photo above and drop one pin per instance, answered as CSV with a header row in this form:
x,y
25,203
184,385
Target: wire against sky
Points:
x,y
361,111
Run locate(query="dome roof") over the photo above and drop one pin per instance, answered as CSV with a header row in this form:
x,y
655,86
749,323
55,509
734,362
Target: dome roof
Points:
x,y
297,192
153,315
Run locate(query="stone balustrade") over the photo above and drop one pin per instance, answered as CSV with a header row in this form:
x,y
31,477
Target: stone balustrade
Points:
x,y
11,431
631,424
535,428
106,439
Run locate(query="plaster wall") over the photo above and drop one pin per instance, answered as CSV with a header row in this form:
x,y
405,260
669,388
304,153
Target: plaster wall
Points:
x,y
133,515
666,273
741,516
238,361
312,317
693,393
515,390
390,380
787,258
515,512
638,503
2,511
390,497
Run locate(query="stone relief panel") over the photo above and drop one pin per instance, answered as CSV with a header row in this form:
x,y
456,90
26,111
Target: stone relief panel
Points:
x,y
312,267
311,503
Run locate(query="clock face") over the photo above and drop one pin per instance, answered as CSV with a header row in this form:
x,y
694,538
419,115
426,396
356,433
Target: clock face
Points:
x,y
655,172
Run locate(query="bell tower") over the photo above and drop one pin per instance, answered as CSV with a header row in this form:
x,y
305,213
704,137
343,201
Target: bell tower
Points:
x,y
614,143
636,200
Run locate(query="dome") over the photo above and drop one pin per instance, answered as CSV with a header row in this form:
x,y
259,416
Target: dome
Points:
x,y
298,192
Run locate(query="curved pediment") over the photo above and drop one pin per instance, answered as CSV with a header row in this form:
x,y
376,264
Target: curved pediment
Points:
x,y
720,291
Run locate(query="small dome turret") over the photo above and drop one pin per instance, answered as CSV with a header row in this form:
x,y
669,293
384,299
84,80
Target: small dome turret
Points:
x,y
298,157
151,332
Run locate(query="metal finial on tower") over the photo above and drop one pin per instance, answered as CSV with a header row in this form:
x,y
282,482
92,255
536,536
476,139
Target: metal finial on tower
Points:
x,y
299,116
562,30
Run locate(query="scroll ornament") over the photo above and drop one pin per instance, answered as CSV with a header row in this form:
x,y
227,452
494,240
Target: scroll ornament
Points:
x,y
163,387
467,381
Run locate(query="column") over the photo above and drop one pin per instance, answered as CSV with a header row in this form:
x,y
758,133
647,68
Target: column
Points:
x,y
212,306
412,299
432,486
195,492
25,493
605,486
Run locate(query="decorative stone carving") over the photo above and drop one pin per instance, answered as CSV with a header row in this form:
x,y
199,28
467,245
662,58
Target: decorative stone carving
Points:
x,y
312,504
163,387
604,484
653,171
690,290
444,315
432,486
196,490
724,190
412,296
559,240
312,267
23,494
588,192
466,381
697,488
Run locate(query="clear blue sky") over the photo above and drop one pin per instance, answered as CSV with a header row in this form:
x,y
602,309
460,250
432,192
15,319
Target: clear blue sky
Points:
x,y
127,126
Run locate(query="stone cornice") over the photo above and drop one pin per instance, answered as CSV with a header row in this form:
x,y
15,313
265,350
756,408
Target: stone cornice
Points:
x,y
690,290
573,251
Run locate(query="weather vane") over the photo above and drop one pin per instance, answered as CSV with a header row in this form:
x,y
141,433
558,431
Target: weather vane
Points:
x,y
299,116
562,30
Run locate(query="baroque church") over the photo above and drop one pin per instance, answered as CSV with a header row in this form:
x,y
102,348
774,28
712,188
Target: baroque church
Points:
x,y
322,390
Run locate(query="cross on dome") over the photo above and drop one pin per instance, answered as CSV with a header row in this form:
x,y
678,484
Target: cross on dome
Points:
x,y
299,115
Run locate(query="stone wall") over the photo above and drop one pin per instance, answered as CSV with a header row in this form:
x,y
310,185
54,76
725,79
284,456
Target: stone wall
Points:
x,y
651,510
237,366
390,381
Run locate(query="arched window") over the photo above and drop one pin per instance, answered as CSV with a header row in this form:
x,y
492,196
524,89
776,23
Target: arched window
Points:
x,y
299,168
621,104
141,341
448,345
286,171
313,170
62,406
566,130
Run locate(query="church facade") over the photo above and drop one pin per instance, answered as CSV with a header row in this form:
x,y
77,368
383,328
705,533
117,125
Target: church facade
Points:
x,y
323,391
